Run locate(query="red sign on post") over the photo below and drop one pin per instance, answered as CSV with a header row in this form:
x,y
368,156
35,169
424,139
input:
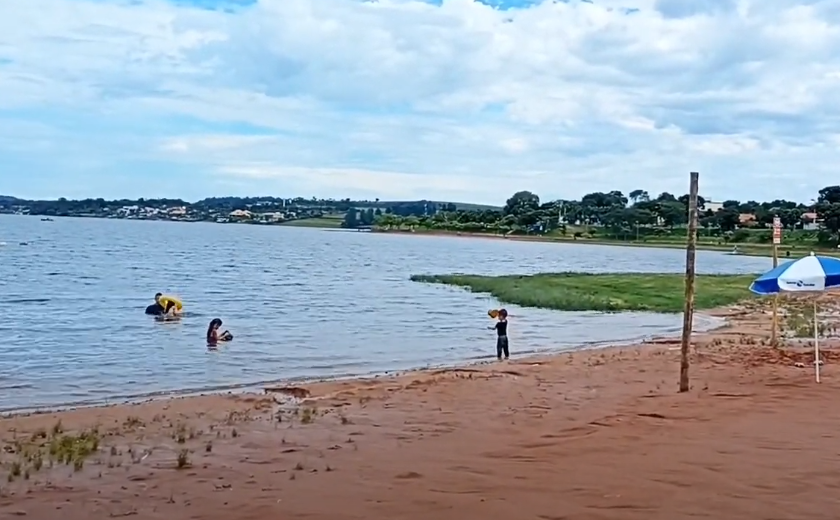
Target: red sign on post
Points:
x,y
777,230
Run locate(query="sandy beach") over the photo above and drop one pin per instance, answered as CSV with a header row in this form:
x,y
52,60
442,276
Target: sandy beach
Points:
x,y
590,435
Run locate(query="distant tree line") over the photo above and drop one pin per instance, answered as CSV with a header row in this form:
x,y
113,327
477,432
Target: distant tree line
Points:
x,y
222,205
365,217
634,215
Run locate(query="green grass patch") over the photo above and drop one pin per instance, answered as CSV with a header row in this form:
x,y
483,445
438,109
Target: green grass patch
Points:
x,y
603,292
316,222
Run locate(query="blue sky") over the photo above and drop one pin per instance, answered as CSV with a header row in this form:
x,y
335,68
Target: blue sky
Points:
x,y
446,99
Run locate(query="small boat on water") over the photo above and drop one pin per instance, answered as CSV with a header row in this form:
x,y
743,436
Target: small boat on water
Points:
x,y
48,219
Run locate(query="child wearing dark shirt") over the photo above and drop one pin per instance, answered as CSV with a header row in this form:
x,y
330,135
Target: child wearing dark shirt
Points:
x,y
501,335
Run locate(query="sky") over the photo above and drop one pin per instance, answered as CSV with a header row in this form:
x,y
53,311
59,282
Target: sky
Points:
x,y
456,100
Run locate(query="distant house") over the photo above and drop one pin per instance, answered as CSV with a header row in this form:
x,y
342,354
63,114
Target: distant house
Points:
x,y
273,217
747,219
128,210
240,214
810,221
714,207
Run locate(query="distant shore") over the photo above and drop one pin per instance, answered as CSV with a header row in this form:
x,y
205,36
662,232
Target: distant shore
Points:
x,y
333,222
756,250
502,440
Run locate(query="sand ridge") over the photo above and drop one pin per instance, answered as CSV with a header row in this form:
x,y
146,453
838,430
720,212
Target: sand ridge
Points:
x,y
599,434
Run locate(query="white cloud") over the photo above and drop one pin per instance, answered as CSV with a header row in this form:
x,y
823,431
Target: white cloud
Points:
x,y
402,98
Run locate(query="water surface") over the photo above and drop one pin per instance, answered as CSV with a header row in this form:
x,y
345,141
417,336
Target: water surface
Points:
x,y
302,303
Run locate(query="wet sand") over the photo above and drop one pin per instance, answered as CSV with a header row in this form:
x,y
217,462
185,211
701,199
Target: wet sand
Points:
x,y
589,435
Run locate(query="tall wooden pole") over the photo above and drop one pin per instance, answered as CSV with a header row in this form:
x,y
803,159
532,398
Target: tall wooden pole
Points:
x,y
690,257
777,238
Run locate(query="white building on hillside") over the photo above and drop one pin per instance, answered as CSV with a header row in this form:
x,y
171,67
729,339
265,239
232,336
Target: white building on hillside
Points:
x,y
714,207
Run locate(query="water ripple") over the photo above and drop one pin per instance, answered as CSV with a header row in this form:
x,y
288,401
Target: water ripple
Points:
x,y
302,304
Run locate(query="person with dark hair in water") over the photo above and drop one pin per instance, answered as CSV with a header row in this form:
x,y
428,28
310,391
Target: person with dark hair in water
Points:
x,y
154,310
502,346
213,334
165,306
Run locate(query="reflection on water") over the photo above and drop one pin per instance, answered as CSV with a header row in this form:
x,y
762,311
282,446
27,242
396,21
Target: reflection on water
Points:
x,y
302,303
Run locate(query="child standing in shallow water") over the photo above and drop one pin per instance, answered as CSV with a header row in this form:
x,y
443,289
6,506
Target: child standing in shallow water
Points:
x,y
501,335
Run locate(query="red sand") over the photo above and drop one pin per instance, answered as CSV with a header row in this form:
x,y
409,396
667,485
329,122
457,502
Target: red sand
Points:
x,y
594,435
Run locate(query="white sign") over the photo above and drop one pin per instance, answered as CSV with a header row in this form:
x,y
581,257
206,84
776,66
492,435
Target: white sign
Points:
x,y
777,230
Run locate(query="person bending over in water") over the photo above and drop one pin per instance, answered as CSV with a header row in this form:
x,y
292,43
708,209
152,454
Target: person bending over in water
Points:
x,y
501,335
213,334
164,306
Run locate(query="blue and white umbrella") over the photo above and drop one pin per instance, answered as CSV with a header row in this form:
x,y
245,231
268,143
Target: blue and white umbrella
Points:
x,y
809,274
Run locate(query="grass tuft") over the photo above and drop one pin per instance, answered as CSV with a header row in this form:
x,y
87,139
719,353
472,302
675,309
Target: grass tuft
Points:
x,y
603,292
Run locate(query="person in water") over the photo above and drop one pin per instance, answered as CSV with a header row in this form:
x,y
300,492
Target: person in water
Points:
x,y
501,335
213,334
164,306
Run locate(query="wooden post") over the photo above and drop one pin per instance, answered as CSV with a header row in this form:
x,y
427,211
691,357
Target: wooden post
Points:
x,y
690,256
774,339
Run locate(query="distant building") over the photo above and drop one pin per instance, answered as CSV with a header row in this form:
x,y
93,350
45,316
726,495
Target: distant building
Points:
x,y
714,207
240,214
810,221
747,219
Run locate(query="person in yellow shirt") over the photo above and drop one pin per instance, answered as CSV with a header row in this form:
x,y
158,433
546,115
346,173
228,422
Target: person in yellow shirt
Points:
x,y
167,305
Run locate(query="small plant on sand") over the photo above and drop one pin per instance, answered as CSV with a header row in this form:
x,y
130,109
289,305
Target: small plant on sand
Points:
x,y
307,415
74,448
183,458
37,461
208,447
15,469
132,422
180,435
798,319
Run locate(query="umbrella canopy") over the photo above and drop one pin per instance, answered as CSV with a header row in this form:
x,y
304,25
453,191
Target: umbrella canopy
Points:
x,y
809,274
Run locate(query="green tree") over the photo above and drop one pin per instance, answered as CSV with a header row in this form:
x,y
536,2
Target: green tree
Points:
x,y
351,220
701,202
790,217
412,221
521,202
830,195
828,211
637,196
672,213
728,219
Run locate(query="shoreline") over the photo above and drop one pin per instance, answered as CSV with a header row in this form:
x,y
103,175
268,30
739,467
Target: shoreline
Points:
x,y
547,436
751,250
715,322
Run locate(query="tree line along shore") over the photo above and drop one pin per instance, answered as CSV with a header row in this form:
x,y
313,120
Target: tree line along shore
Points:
x,y
636,218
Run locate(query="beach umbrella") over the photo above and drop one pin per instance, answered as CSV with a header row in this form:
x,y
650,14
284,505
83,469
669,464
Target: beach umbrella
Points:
x,y
810,274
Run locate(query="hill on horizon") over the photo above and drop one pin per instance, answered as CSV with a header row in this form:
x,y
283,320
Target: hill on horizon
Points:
x,y
466,206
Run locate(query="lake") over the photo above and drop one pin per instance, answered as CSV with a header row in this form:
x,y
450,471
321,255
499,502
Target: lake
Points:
x,y
302,304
